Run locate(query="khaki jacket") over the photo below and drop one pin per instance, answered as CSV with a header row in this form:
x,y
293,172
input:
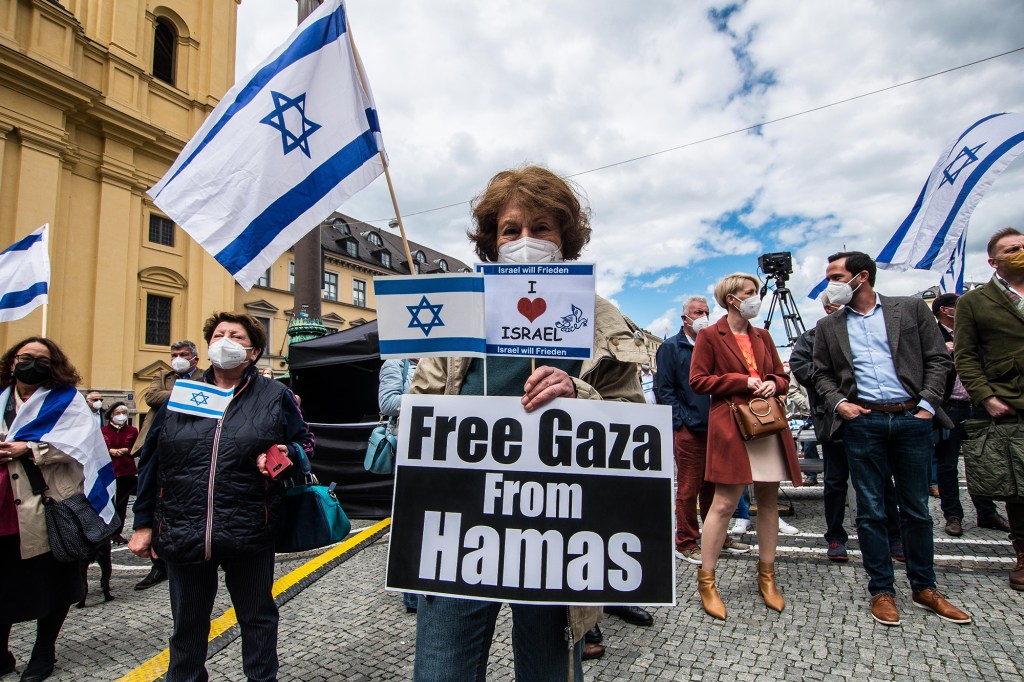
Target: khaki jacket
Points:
x,y
610,375
155,396
64,477
988,345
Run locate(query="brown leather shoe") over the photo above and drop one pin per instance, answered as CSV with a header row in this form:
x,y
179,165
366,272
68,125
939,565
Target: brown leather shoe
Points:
x,y
994,522
1017,574
954,527
592,651
883,609
766,584
931,600
709,596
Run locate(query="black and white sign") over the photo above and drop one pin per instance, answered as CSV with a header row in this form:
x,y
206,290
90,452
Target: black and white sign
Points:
x,y
571,504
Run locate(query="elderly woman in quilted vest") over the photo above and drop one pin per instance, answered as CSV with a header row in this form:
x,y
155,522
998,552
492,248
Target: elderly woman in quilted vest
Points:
x,y
206,500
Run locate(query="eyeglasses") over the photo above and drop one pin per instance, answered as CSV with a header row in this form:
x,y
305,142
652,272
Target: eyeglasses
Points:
x,y
42,361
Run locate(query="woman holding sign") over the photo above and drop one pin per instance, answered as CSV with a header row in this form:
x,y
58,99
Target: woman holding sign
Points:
x,y
527,215
206,488
735,363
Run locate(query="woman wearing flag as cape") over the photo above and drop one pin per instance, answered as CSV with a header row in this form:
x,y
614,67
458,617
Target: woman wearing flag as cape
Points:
x,y
527,215
45,420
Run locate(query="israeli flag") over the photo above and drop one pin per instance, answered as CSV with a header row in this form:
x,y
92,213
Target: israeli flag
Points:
x,y
288,144
953,279
59,416
199,399
24,276
431,315
929,235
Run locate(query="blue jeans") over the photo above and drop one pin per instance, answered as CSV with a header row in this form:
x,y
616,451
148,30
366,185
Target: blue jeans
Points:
x,y
877,445
453,640
837,475
743,508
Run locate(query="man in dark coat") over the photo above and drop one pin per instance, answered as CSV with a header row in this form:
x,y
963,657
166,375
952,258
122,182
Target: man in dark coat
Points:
x,y
881,368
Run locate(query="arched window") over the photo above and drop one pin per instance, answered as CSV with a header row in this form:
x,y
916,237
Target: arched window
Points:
x,y
442,265
420,257
374,239
165,44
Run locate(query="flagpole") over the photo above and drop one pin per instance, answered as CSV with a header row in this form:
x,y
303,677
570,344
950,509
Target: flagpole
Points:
x,y
383,160
46,248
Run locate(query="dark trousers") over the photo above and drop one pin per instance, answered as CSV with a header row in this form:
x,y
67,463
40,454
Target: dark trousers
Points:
x,y
837,477
103,559
947,459
193,587
126,486
47,629
880,445
1015,515
690,452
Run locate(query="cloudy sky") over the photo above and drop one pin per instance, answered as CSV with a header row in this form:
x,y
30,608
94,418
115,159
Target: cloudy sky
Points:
x,y
465,89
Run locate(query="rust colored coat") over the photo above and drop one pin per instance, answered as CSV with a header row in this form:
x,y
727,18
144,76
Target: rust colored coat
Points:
x,y
718,369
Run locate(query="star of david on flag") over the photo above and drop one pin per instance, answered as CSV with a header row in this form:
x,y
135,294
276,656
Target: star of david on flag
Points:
x,y
430,315
927,238
287,145
199,399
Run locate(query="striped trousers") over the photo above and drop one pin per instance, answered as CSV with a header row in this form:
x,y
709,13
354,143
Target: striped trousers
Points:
x,y
193,587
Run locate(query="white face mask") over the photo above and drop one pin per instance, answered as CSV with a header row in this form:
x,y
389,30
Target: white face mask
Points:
x,y
226,353
97,404
840,293
700,323
530,250
750,307
119,419
180,365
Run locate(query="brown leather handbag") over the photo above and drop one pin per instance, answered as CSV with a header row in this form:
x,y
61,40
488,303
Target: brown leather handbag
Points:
x,y
760,417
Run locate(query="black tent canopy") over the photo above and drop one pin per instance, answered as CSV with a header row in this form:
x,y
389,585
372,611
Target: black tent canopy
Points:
x,y
336,376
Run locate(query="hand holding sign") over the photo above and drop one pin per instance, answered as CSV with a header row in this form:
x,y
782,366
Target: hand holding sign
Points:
x,y
544,385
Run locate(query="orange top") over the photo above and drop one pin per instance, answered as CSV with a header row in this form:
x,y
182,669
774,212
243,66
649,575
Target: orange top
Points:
x,y
743,341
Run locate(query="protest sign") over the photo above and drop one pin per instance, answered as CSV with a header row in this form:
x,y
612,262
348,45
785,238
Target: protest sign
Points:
x,y
539,310
571,504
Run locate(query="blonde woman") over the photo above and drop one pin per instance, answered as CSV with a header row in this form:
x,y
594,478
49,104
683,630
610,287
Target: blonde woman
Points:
x,y
733,361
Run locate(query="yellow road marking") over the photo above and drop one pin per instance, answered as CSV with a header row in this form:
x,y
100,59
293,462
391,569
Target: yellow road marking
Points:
x,y
156,667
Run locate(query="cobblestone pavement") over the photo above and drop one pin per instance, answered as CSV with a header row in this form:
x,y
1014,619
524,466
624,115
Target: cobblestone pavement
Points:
x,y
346,627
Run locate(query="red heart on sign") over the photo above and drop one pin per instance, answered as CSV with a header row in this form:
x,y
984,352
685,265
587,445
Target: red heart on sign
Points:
x,y
531,310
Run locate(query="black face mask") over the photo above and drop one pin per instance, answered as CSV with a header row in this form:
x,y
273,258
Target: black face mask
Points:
x,y
31,372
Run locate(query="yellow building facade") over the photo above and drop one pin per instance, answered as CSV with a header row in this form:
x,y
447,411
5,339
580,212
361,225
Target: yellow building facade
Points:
x,y
97,97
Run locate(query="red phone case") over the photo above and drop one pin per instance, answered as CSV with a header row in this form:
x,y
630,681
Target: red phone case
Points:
x,y
277,461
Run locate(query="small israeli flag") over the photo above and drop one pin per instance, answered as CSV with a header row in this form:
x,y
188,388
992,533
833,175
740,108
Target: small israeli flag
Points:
x,y
199,399
431,315
24,276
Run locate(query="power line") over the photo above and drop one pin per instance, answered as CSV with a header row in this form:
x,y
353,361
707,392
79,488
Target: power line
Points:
x,y
743,130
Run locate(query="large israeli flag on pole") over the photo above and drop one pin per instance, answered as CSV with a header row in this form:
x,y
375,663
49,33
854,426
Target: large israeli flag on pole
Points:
x,y
288,145
966,169
24,276
430,316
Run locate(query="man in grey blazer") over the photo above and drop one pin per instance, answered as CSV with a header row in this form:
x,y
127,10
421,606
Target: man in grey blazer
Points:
x,y
881,369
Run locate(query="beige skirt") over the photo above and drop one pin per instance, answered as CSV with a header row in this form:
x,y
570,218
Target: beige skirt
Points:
x,y
767,459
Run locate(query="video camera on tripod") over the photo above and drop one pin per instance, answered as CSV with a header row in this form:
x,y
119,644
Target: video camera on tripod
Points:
x,y
777,267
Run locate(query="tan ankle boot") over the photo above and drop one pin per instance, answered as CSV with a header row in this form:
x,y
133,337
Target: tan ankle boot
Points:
x,y
766,583
709,596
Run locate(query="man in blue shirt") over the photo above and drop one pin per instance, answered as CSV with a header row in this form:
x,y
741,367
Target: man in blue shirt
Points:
x,y
881,368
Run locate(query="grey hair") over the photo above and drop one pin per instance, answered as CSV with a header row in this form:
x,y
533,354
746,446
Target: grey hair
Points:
x,y
691,299
185,343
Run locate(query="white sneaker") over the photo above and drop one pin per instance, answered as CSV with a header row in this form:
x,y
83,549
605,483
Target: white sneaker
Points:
x,y
787,529
740,526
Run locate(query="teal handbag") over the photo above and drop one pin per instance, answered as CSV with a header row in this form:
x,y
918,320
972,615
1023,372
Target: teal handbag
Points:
x,y
311,515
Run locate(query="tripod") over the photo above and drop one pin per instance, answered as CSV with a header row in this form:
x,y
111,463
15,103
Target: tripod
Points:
x,y
782,299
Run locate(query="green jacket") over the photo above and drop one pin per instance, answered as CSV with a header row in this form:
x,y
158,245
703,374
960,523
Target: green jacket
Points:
x,y
610,375
988,345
